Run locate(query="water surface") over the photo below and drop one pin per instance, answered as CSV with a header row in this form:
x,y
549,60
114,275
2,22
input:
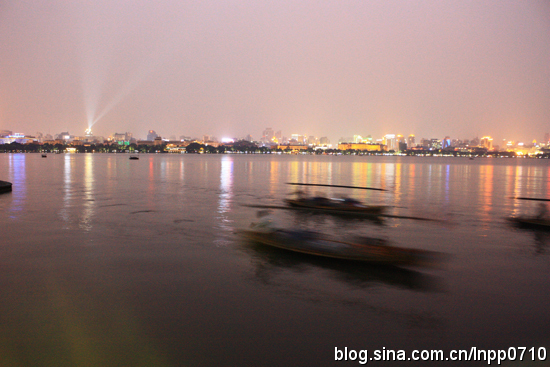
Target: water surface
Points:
x,y
110,261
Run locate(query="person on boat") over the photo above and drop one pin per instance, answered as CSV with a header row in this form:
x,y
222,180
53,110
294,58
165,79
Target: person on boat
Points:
x,y
300,194
542,212
267,223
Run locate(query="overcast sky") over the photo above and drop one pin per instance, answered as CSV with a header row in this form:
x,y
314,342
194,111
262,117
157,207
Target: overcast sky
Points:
x,y
230,68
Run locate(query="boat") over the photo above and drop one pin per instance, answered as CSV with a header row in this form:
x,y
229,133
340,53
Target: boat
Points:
x,y
5,187
364,249
134,157
338,206
531,222
44,156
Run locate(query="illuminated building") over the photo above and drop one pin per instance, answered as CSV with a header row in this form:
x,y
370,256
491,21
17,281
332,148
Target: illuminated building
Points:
x,y
301,139
486,142
293,147
122,137
390,140
268,135
411,141
362,147
446,143
435,144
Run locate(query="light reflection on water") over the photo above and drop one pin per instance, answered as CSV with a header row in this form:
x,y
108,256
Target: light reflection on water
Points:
x,y
89,197
225,200
17,176
226,184
166,268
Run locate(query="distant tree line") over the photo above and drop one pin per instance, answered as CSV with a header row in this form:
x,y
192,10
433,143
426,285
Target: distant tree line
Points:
x,y
241,146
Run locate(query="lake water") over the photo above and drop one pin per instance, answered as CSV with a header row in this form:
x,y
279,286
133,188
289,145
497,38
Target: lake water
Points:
x,y
106,261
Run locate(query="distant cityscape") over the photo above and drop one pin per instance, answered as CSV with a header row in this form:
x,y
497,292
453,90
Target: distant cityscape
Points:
x,y
270,140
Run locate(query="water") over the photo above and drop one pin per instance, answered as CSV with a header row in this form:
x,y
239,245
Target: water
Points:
x,y
108,261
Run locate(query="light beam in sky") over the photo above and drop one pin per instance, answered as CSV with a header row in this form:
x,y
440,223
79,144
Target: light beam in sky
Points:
x,y
94,80
105,59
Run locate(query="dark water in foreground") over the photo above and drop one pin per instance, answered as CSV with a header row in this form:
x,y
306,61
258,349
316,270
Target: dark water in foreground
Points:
x,y
106,261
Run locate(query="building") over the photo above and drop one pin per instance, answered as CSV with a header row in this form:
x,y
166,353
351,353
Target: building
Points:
x,y
411,143
297,138
362,147
65,136
390,141
268,135
486,142
151,135
435,144
446,143
16,138
122,137
209,139
293,147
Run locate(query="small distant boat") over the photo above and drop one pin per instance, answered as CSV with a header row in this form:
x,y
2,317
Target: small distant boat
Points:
x,y
371,250
134,157
5,187
44,156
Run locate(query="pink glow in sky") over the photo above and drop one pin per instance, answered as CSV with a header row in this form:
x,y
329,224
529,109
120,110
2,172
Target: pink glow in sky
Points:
x,y
230,68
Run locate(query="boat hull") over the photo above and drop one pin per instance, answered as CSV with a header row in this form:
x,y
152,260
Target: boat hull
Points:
x,y
337,208
314,244
5,186
531,222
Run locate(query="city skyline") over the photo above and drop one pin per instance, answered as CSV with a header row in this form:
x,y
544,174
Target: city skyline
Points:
x,y
391,141
227,69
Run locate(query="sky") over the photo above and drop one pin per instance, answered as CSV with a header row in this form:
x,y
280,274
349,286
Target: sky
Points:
x,y
228,68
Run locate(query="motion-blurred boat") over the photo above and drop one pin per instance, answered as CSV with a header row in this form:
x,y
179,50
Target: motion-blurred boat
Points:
x,y
5,186
531,222
44,156
365,249
134,157
339,206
